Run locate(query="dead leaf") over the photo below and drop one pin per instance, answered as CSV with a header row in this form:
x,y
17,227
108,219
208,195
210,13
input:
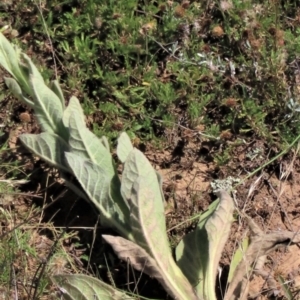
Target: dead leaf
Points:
x,y
261,244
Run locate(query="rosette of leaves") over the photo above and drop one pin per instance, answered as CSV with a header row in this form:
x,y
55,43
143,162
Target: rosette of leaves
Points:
x,y
132,205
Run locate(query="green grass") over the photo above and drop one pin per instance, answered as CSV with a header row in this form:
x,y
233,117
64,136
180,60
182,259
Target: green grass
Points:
x,y
135,61
27,255
25,244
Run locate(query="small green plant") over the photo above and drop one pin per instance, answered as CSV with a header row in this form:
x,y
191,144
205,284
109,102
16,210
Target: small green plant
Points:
x,y
132,205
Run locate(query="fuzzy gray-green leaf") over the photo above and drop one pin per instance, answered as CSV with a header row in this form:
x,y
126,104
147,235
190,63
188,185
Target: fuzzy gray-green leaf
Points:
x,y
137,165
218,229
48,146
17,91
97,184
87,145
139,259
8,56
29,68
124,147
83,287
28,80
199,252
73,107
55,87
141,187
47,106
146,205
192,253
9,59
138,178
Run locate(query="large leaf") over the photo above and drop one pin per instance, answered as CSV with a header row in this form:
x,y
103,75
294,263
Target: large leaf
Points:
x,y
137,165
98,186
8,56
27,80
123,150
141,187
16,90
10,59
55,87
192,252
28,68
73,107
140,260
83,287
138,174
124,147
48,146
87,145
199,252
47,105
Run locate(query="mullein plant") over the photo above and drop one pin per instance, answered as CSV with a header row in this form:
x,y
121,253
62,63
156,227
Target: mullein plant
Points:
x,y
133,206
